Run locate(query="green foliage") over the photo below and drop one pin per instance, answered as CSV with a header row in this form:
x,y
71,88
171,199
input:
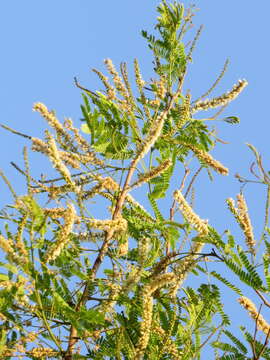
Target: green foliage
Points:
x,y
87,272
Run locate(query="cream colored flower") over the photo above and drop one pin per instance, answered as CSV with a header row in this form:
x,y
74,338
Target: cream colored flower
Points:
x,y
199,224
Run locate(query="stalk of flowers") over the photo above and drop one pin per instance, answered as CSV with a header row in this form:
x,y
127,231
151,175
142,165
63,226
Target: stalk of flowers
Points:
x,y
56,213
221,100
128,87
143,249
52,120
168,345
138,76
7,246
132,278
116,79
154,172
111,93
253,312
242,217
123,246
69,158
246,223
117,225
155,129
145,326
111,184
107,305
184,268
40,352
153,134
19,244
64,234
140,84
161,87
93,191
89,156
206,158
188,213
55,191
184,112
55,158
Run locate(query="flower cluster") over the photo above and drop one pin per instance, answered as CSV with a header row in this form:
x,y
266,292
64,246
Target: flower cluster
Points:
x,y
40,352
221,100
111,93
50,117
253,312
199,224
63,236
242,217
107,305
8,247
209,160
143,249
154,172
139,80
55,158
116,79
184,112
145,326
168,344
119,224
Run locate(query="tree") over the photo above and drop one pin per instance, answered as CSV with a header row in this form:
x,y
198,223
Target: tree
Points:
x,y
75,285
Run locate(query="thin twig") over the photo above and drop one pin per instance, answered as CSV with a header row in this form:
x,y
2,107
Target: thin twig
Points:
x,y
262,298
83,88
192,180
15,131
8,184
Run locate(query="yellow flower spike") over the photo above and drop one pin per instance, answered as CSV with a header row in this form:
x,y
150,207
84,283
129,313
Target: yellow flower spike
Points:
x,y
63,236
253,312
221,100
199,224
209,160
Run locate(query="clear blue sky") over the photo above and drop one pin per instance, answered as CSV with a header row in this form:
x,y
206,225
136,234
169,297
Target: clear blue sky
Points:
x,y
46,43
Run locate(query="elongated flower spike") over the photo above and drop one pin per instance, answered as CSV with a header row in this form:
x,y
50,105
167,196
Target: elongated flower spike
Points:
x,y
145,326
199,224
64,234
209,160
221,100
253,312
242,217
154,172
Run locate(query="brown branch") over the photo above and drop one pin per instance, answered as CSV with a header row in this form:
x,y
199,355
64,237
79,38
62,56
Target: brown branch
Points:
x,y
192,180
15,131
262,298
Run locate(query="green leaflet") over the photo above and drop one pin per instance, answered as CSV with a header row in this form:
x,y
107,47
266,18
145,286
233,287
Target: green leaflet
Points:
x,y
236,341
228,348
247,278
226,282
250,268
155,208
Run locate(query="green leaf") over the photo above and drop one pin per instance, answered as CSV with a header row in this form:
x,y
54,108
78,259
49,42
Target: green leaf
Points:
x,y
226,282
4,277
85,128
232,119
236,341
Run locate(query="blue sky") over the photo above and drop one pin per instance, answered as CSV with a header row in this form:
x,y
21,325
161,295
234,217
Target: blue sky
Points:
x,y
46,43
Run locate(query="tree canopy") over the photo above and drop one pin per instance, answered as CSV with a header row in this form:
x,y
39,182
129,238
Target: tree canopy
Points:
x,y
76,284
